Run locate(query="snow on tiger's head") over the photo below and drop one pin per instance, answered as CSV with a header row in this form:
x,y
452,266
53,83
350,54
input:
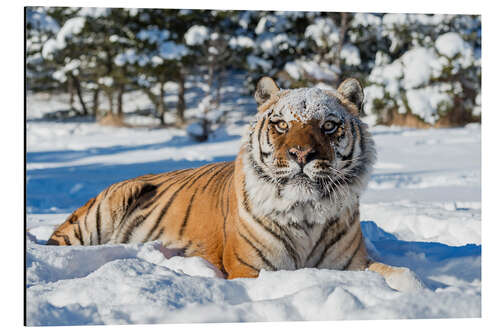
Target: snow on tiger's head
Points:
x,y
310,142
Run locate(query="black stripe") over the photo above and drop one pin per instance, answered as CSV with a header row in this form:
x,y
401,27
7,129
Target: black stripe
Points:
x,y
185,248
267,136
148,204
328,225
245,263
259,171
167,174
79,234
145,195
171,177
288,246
227,191
98,222
174,195
87,214
134,224
348,263
221,185
330,244
259,252
105,192
73,219
259,135
223,167
203,174
117,186
65,237
186,216
247,230
360,166
353,146
52,241
160,232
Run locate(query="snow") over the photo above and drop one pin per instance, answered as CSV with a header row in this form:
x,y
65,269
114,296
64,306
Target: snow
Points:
x,y
420,65
372,93
422,210
195,129
196,35
426,102
40,21
388,76
242,42
256,62
273,43
452,45
71,27
153,35
365,20
106,81
272,24
171,50
321,72
94,11
350,54
324,32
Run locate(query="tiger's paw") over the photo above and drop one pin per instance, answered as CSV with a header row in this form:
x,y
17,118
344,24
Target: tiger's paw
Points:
x,y
399,278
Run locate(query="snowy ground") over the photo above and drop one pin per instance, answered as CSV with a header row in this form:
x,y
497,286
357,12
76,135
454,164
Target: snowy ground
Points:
x,y
422,210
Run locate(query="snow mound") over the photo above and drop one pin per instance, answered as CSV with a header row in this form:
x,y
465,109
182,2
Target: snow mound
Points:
x,y
78,285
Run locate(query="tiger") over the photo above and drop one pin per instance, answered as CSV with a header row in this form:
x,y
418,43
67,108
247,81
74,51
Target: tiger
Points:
x,y
289,200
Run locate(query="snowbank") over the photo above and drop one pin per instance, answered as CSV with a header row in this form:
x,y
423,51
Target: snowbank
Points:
x,y
77,285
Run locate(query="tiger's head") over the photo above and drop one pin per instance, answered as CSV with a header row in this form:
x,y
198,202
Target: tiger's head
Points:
x,y
310,144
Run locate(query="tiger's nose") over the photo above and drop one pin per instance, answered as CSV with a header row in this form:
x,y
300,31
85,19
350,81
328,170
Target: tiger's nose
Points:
x,y
301,155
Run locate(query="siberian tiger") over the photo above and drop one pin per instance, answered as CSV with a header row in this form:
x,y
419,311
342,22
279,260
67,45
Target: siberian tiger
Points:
x,y
289,201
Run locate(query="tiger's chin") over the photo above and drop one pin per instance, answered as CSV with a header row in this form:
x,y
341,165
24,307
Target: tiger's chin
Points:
x,y
301,188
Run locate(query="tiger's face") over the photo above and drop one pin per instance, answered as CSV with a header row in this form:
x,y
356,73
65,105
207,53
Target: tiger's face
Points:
x,y
310,142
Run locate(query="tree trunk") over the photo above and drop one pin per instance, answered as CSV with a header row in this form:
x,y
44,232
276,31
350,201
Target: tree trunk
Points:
x,y
71,91
95,102
121,90
79,93
342,34
110,101
161,104
181,103
211,71
220,79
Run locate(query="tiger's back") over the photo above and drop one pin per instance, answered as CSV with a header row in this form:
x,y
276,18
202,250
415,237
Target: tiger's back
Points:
x,y
185,210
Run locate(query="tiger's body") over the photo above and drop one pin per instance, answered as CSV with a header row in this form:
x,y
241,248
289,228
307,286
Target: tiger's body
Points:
x,y
289,201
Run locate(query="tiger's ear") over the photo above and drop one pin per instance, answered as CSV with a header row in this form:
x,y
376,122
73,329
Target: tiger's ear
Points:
x,y
353,91
265,88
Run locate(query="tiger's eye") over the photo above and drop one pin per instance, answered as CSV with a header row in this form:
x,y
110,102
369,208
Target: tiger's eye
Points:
x,y
282,125
329,126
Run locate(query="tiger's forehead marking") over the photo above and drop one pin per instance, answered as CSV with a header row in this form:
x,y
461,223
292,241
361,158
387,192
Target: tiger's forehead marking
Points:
x,y
305,104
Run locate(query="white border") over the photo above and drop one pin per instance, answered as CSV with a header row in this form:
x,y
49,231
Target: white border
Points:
x,y
12,166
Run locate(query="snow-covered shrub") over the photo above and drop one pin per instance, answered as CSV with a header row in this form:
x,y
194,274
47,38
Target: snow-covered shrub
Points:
x,y
434,82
